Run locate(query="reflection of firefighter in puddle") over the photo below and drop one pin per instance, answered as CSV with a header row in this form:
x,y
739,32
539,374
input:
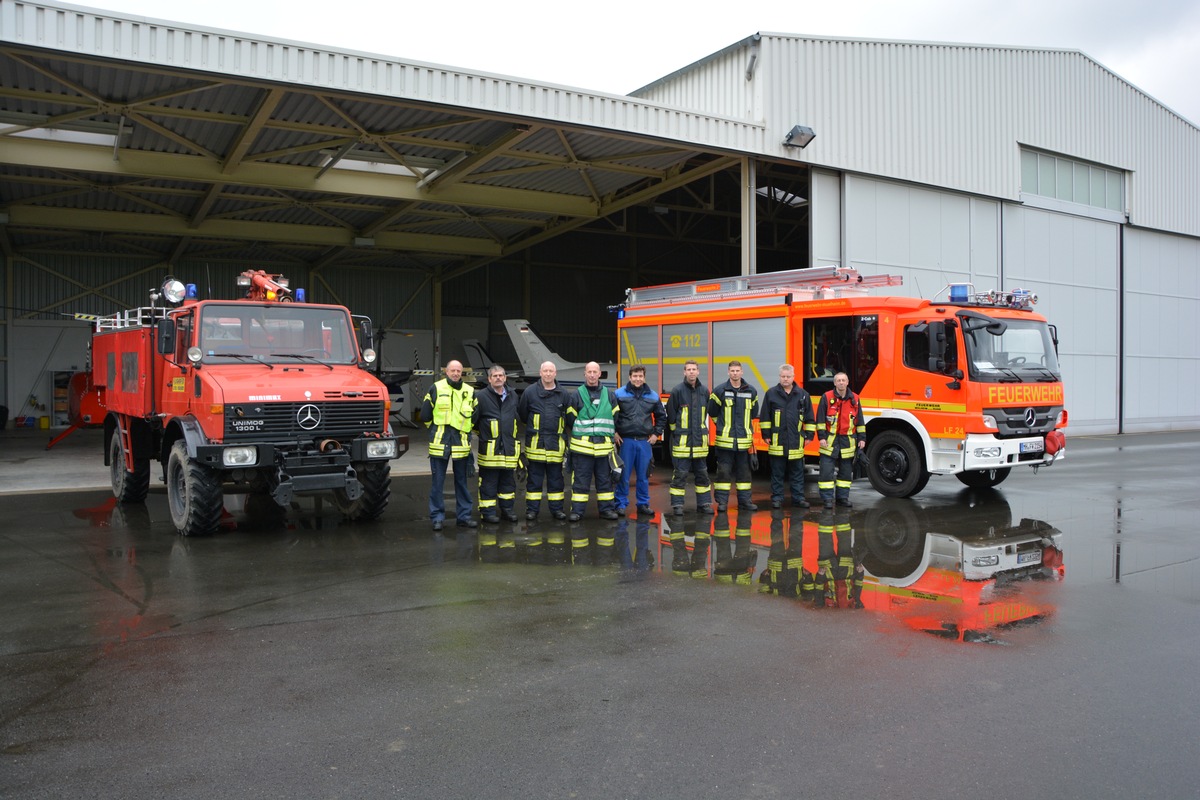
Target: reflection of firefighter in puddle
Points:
x,y
837,564
638,557
695,562
785,571
733,558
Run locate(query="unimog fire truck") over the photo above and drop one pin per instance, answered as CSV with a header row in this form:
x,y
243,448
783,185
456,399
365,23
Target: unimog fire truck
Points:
x,y
966,386
265,395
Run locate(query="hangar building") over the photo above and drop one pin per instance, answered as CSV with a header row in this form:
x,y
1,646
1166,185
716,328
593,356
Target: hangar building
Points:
x,y
440,201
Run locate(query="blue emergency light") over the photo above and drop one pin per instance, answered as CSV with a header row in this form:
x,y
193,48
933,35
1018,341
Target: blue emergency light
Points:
x,y
959,292
191,291
299,295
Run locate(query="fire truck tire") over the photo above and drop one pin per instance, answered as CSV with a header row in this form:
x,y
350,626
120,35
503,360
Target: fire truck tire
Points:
x,y
127,487
895,465
377,490
984,479
193,494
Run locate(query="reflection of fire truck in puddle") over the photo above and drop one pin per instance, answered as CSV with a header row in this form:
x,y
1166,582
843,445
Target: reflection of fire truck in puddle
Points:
x,y
900,559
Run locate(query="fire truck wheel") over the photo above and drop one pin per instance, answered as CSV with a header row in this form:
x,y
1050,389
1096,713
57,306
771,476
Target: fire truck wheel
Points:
x,y
193,494
377,490
984,479
895,465
127,487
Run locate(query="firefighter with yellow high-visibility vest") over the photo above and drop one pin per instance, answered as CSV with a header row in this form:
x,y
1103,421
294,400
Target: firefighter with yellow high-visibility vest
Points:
x,y
447,410
843,432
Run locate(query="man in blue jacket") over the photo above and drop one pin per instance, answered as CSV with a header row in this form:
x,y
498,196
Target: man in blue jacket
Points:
x,y
640,422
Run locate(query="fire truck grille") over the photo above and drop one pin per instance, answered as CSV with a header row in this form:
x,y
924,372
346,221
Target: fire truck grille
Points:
x,y
258,422
1016,421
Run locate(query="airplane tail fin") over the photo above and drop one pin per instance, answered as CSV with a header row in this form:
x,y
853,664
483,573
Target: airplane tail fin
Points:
x,y
530,349
478,357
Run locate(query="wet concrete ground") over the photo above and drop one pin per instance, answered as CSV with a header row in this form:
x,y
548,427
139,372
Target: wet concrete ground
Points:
x,y
309,657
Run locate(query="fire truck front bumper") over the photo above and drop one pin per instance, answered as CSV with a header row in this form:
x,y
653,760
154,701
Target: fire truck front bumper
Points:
x,y
985,451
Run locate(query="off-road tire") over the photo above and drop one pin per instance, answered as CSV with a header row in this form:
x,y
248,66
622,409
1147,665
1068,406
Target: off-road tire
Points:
x,y
376,481
127,487
193,494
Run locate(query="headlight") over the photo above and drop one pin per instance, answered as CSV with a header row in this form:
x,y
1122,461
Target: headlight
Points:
x,y
985,561
989,422
194,354
239,456
987,452
381,449
369,356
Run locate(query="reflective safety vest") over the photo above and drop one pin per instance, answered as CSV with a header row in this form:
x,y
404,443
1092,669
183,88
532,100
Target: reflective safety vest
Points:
x,y
447,411
499,447
595,422
687,418
787,421
732,408
840,417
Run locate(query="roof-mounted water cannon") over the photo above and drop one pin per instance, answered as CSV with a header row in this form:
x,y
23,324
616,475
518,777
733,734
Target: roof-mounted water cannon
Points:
x,y
263,286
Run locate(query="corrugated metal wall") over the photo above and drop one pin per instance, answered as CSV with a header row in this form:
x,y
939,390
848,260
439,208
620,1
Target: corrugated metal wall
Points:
x,y
954,116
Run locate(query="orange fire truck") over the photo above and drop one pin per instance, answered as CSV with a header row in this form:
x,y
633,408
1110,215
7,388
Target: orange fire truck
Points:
x,y
259,395
966,386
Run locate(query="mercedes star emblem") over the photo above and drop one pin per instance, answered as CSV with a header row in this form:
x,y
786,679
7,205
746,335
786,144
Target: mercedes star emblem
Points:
x,y
309,416
1030,417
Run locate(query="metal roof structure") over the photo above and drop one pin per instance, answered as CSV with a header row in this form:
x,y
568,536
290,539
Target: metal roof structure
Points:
x,y
137,135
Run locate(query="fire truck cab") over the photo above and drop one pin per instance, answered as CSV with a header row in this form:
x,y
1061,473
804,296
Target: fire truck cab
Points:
x,y
967,386
259,395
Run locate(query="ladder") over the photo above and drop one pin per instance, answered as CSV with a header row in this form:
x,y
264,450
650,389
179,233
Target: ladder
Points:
x,y
809,280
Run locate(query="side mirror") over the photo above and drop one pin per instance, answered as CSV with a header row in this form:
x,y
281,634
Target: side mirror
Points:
x,y
166,336
935,333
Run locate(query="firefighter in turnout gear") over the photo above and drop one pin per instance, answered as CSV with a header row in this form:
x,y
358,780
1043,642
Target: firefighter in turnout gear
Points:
x,y
687,419
732,406
448,410
592,415
499,447
843,432
543,410
786,423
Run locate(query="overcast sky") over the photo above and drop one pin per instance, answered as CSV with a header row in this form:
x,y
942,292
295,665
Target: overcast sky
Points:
x,y
619,46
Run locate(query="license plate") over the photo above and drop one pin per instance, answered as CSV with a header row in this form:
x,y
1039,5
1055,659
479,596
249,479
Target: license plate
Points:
x,y
1030,557
1033,447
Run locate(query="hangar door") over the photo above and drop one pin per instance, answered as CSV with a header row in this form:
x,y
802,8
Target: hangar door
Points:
x,y
1162,305
1072,263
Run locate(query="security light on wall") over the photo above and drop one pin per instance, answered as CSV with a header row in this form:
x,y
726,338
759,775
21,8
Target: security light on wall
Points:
x,y
799,136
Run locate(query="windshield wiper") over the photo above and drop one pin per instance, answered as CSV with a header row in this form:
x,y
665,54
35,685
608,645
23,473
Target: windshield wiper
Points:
x,y
1013,377
304,355
1047,376
242,356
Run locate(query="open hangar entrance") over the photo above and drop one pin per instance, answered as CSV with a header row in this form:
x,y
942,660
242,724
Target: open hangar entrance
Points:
x,y
114,174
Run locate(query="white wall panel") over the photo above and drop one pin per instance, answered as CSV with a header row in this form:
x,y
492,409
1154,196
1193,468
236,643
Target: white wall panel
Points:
x,y
1072,264
930,238
1162,305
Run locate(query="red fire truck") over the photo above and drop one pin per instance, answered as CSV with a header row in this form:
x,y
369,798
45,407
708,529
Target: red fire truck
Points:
x,y
966,386
265,395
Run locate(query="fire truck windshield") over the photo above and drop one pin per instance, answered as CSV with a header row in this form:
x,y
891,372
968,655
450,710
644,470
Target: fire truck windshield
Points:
x,y
1023,353
275,333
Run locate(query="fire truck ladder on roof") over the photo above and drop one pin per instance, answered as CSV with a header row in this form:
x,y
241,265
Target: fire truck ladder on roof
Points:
x,y
810,280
